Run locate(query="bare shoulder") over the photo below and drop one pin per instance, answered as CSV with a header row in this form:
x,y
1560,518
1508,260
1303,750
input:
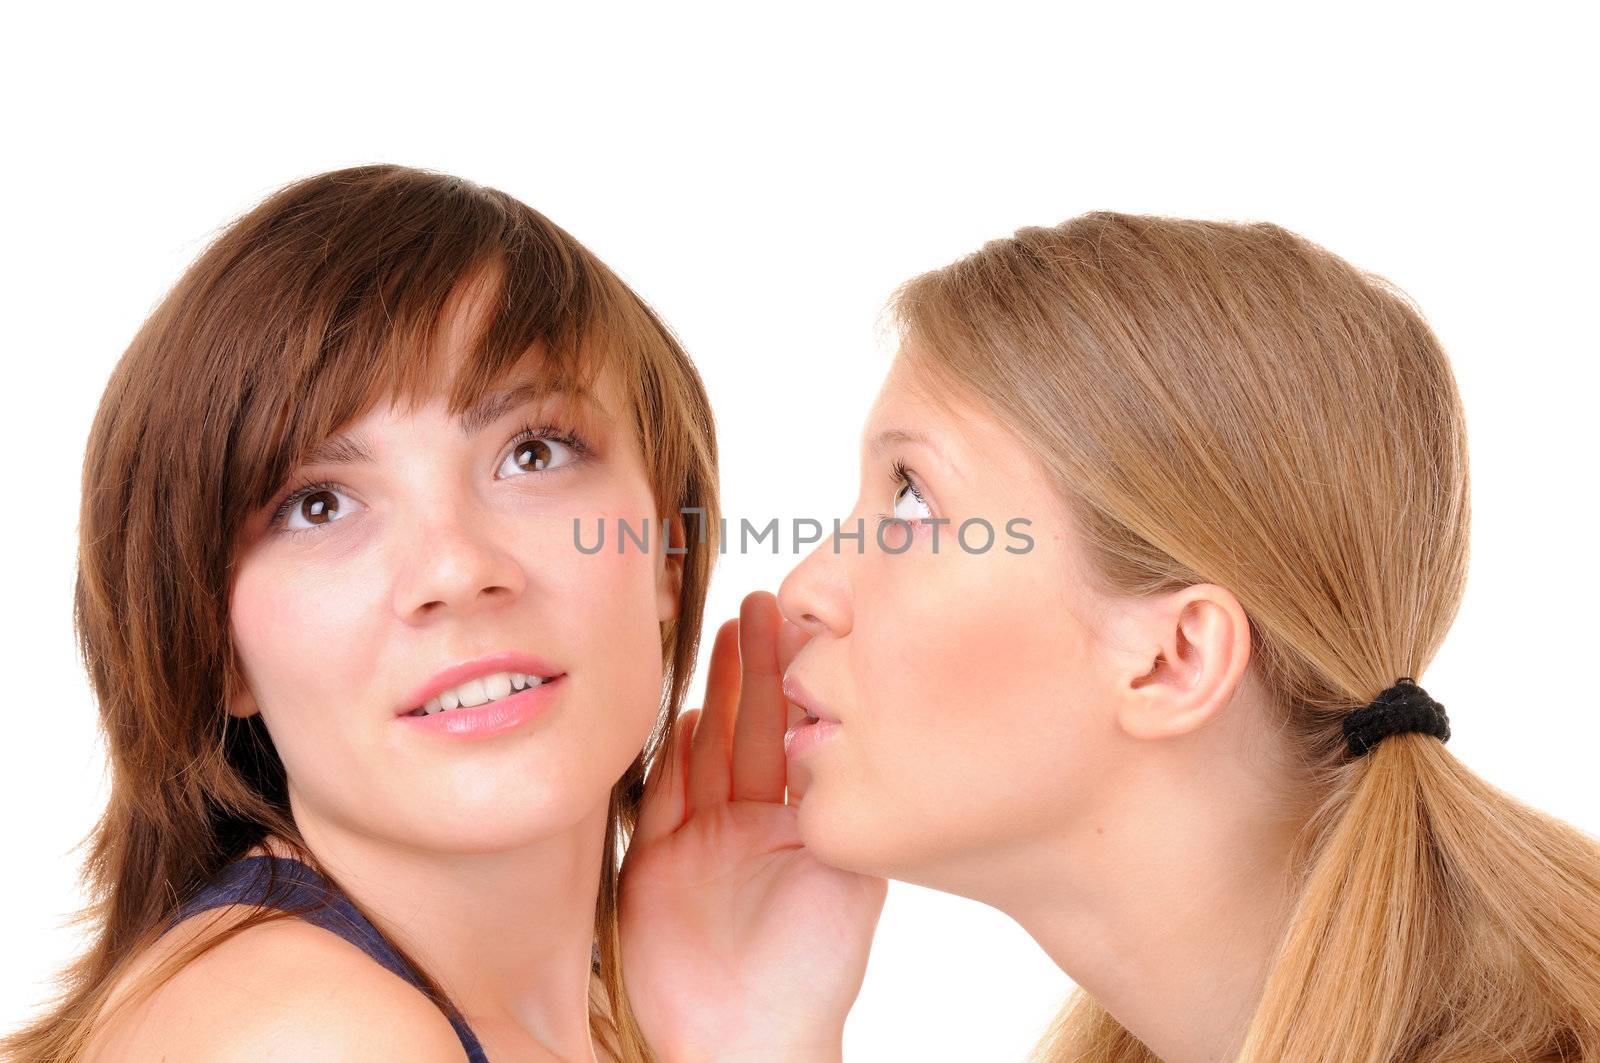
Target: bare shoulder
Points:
x,y
283,990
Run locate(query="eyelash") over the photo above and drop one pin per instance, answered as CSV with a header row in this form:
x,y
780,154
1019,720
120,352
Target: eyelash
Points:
x,y
558,433
899,473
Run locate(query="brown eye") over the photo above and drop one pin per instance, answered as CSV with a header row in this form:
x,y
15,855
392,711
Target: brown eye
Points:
x,y
541,452
319,507
532,455
312,506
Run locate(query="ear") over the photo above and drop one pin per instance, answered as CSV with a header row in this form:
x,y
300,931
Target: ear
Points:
x,y
669,572
243,708
238,701
1200,640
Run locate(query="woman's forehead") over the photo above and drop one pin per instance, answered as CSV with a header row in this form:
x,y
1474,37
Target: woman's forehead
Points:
x,y
598,402
909,411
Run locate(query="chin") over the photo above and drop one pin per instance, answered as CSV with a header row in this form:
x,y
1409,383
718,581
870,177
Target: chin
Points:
x,y
479,827
843,840
934,853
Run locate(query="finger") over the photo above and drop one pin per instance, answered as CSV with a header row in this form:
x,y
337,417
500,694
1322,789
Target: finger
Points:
x,y
758,757
791,637
665,793
709,773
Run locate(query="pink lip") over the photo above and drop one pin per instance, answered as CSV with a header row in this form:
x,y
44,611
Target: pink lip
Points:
x,y
456,674
807,735
799,695
492,717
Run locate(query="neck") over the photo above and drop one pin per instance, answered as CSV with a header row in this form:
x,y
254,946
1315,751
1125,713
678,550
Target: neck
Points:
x,y
508,934
1173,928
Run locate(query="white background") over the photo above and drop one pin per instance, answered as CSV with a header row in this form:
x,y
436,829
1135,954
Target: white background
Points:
x,y
764,176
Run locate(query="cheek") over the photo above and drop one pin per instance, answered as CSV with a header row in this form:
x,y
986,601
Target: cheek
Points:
x,y
304,632
969,680
314,650
604,605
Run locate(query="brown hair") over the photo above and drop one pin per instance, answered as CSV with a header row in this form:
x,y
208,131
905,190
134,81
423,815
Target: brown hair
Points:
x,y
299,317
1230,403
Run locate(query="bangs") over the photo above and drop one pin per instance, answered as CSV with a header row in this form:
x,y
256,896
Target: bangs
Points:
x,y
374,312
403,358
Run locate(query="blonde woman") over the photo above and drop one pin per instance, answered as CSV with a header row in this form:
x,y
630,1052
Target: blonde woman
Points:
x,y
1138,720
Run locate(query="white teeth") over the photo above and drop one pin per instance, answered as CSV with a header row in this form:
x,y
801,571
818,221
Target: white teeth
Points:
x,y
471,693
483,689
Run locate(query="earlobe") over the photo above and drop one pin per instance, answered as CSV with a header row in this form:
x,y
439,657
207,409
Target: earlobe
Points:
x,y
237,700
1203,646
242,705
668,589
669,581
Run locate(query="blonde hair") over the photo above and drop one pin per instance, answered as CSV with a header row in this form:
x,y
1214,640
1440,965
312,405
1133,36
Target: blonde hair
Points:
x,y
301,315
1231,403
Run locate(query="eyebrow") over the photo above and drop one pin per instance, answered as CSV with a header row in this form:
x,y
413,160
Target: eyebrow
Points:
x,y
354,450
891,437
899,436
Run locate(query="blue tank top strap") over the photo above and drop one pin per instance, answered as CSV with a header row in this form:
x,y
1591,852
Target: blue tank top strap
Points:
x,y
290,885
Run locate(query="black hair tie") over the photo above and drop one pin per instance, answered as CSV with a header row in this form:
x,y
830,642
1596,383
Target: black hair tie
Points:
x,y
1403,707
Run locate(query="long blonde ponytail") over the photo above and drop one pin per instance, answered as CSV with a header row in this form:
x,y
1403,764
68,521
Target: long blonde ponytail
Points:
x,y
1231,403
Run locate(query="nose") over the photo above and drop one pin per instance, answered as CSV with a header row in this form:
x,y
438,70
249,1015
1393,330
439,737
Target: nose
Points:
x,y
455,561
815,595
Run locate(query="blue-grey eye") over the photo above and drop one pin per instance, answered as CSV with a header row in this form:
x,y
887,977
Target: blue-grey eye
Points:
x,y
908,501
